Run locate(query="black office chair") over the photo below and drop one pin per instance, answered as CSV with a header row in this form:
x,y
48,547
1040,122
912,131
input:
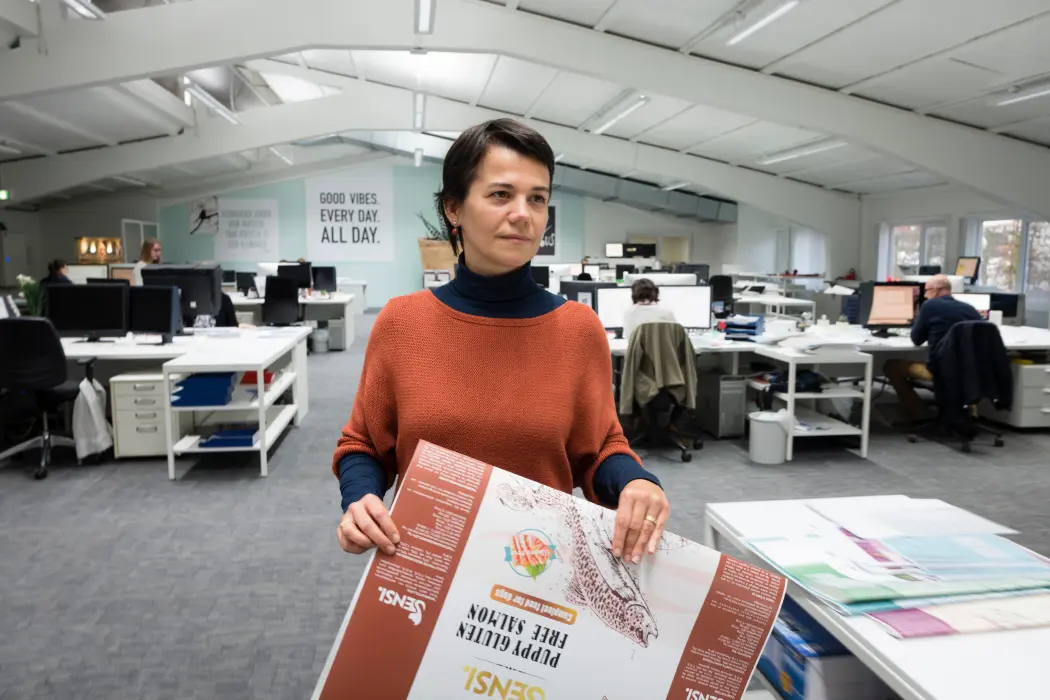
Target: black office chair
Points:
x,y
973,365
33,370
722,291
281,305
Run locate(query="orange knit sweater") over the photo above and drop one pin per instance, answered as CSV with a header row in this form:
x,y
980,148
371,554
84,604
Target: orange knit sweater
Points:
x,y
532,396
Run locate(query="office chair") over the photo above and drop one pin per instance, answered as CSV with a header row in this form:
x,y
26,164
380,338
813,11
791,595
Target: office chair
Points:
x,y
722,291
33,366
972,365
658,387
281,305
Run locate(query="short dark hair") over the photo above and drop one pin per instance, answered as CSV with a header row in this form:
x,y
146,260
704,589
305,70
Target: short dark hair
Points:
x,y
464,158
644,290
55,266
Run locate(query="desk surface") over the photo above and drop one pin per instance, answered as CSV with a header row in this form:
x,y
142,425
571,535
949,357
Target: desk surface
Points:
x,y
334,299
225,346
958,667
1014,337
774,300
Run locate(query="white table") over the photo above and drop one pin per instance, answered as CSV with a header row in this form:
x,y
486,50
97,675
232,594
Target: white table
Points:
x,y
358,289
1005,665
337,305
774,303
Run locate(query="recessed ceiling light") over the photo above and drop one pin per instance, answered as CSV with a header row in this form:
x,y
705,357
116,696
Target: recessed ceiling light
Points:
x,y
773,16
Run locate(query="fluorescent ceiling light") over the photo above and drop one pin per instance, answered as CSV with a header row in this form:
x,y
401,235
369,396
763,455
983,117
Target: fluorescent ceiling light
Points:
x,y
773,16
675,186
801,151
128,180
558,158
1024,95
638,103
286,159
424,16
210,102
4,148
85,9
418,158
420,109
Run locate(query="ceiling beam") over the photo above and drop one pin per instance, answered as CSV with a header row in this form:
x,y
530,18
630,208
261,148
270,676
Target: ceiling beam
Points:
x,y
137,109
23,145
610,15
22,14
127,46
34,113
365,106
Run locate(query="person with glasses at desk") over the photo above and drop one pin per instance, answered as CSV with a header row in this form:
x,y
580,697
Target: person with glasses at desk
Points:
x,y
480,346
938,313
149,255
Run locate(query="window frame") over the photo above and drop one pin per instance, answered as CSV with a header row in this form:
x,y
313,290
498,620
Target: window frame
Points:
x,y
972,244
887,266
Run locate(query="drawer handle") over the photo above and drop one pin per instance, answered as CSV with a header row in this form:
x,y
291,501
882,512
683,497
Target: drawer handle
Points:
x,y
145,402
146,429
143,387
151,414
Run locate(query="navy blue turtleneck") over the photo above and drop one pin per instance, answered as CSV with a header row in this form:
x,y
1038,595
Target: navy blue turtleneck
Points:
x,y
513,295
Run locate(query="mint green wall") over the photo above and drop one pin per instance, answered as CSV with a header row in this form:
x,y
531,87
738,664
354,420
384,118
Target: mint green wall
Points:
x,y
413,192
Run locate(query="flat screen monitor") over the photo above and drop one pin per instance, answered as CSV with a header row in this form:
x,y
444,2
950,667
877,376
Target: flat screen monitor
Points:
x,y
108,280
576,269
200,287
300,273
969,267
122,273
702,271
592,270
89,310
892,306
78,274
639,250
269,268
623,270
154,310
614,250
324,279
981,302
245,282
541,275
691,306
229,277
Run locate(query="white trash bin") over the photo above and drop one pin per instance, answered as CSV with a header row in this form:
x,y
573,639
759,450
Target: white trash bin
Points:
x,y
768,441
319,340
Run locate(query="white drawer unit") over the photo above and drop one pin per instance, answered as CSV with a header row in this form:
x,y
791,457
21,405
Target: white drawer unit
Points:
x,y
138,416
1031,407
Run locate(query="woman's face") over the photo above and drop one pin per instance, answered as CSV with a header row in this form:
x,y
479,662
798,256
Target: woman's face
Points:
x,y
156,252
505,213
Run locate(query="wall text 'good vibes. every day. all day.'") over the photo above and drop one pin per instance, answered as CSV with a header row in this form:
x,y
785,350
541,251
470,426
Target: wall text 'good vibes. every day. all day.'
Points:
x,y
357,217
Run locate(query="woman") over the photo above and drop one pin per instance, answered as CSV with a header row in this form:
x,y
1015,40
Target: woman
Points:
x,y
645,295
56,273
524,377
149,255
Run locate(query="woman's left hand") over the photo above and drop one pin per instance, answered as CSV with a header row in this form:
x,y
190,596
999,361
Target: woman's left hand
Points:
x,y
640,519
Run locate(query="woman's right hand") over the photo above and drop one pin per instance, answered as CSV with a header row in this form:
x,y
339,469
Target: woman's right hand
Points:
x,y
366,524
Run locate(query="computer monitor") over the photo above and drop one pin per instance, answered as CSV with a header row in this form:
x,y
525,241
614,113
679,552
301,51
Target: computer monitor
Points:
x,y
300,273
576,269
981,302
200,287
324,279
639,250
541,275
108,280
154,310
592,270
623,270
662,279
891,306
969,267
702,271
691,306
929,269
245,282
122,273
229,276
89,310
614,250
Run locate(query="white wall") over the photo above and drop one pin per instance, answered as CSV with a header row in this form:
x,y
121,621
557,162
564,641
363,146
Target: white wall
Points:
x,y
952,205
610,222
61,225
19,252
761,240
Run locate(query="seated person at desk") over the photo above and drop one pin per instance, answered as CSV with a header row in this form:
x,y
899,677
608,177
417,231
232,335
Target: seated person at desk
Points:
x,y
584,276
645,295
149,255
56,273
227,317
938,314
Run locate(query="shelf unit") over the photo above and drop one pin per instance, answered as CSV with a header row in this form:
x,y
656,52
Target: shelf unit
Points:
x,y
276,389
274,427
820,424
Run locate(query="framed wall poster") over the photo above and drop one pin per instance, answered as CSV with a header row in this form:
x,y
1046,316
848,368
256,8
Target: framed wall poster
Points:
x,y
248,230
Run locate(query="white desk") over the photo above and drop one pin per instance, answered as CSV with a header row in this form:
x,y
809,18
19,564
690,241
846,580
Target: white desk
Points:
x,y
358,289
338,305
774,303
959,667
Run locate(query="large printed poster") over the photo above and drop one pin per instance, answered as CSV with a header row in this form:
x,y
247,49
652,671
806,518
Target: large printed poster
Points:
x,y
504,588
247,230
350,216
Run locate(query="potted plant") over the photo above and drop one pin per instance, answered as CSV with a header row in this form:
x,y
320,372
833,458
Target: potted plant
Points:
x,y
435,252
29,289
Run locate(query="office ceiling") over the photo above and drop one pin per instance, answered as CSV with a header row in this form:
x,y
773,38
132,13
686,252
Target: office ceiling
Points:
x,y
951,60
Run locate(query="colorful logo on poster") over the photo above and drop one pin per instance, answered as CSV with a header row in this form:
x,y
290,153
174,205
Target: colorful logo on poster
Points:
x,y
530,553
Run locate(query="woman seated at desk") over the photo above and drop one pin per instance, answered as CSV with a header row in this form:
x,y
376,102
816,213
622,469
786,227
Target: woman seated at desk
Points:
x,y
56,273
645,295
149,255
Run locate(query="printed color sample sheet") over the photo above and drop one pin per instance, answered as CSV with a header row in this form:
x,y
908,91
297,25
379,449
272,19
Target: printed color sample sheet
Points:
x,y
503,588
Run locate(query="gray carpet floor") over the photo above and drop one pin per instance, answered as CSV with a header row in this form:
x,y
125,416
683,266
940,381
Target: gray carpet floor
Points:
x,y
116,583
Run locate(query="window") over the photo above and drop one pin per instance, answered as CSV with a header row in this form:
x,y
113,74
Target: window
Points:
x,y
906,241
1037,275
1001,254
911,244
936,242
